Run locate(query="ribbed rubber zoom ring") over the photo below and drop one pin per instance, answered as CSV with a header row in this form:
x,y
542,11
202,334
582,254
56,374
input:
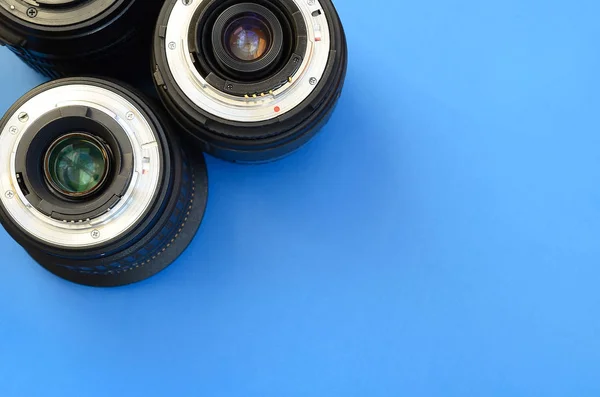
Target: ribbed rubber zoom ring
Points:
x,y
161,242
105,61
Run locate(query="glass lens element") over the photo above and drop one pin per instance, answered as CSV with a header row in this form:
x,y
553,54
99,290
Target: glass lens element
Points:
x,y
248,38
76,165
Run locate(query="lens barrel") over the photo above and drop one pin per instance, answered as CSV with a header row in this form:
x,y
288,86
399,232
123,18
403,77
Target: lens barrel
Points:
x,y
250,80
60,38
93,184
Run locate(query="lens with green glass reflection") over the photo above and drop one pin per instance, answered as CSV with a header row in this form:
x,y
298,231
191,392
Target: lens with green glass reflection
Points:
x,y
76,165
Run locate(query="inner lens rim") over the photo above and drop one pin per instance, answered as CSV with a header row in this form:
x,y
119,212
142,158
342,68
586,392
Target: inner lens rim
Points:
x,y
233,67
106,156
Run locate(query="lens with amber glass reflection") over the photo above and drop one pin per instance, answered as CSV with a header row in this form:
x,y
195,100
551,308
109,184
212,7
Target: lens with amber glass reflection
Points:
x,y
250,80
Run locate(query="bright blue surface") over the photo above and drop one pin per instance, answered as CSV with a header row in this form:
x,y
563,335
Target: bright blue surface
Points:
x,y
439,238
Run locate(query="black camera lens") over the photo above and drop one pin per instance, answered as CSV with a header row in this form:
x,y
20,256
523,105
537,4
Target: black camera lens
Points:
x,y
252,80
72,37
94,185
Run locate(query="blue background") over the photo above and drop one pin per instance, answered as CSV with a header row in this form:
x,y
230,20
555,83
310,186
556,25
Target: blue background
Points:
x,y
439,238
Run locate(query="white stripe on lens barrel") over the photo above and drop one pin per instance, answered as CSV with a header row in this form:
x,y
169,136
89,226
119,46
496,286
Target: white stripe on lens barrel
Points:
x,y
250,109
132,206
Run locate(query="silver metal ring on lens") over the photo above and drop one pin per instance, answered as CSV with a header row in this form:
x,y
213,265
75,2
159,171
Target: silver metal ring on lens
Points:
x,y
247,109
126,213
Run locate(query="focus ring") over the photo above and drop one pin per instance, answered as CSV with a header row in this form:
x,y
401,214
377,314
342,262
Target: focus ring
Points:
x,y
161,242
44,67
95,63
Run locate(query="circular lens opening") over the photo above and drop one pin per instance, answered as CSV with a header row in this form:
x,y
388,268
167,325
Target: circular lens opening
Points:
x,y
248,37
77,165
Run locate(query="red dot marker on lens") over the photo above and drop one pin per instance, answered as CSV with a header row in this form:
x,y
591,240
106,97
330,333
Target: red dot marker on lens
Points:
x,y
277,109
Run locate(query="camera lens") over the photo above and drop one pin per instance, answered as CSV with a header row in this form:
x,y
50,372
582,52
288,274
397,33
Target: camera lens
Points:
x,y
76,165
68,37
94,185
250,81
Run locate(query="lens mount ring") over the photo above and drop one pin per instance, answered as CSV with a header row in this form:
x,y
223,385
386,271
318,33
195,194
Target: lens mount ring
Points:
x,y
139,193
254,106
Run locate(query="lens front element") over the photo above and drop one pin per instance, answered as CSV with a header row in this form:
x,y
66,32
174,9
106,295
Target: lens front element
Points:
x,y
248,38
76,165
